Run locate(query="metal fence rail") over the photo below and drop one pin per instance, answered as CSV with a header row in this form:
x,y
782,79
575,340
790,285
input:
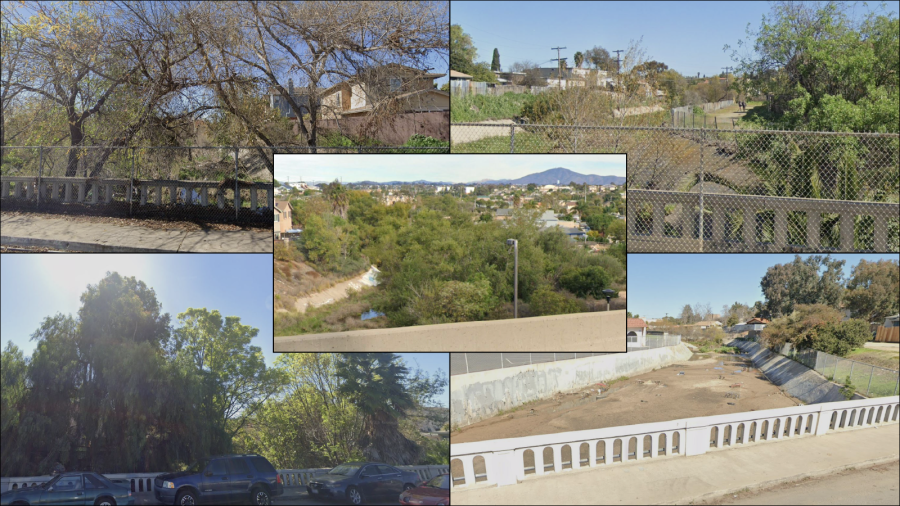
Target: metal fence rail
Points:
x,y
217,183
464,363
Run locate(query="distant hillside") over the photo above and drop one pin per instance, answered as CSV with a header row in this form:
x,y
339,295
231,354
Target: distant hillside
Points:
x,y
551,176
563,175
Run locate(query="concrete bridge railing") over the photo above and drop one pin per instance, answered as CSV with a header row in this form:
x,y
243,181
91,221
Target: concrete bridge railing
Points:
x,y
510,461
72,190
656,233
143,482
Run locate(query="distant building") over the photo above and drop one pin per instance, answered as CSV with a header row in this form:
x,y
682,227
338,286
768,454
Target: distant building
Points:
x,y
358,96
635,333
459,76
469,189
282,217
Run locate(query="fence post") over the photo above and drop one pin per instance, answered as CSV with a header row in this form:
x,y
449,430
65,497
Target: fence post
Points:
x,y
237,193
870,381
897,384
131,184
466,357
702,231
501,360
512,138
40,173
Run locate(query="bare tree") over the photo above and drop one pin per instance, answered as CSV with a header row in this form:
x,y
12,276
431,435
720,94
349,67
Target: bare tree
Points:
x,y
321,44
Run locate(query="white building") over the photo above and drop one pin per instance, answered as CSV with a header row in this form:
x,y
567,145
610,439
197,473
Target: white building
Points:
x,y
469,189
635,333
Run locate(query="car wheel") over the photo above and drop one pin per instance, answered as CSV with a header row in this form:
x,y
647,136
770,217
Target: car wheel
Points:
x,y
354,495
186,499
104,501
259,497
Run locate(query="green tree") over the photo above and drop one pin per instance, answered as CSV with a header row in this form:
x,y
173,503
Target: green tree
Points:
x,y
376,384
585,281
531,187
320,242
495,61
579,59
13,393
233,373
800,282
816,326
462,57
545,301
873,291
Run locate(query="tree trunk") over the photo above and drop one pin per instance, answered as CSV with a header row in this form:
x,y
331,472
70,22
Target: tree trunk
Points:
x,y
76,134
382,441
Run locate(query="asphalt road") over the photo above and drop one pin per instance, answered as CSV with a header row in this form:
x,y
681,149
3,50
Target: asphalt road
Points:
x,y
293,495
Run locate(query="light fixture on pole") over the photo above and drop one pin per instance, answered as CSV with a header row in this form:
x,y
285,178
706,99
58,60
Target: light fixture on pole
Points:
x,y
608,294
515,244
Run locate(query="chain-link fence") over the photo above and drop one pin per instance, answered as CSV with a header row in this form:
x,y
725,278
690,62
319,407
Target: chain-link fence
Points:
x,y
222,183
464,363
739,190
869,380
655,341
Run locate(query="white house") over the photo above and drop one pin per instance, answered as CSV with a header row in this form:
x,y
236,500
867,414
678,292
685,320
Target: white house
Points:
x,y
469,189
635,333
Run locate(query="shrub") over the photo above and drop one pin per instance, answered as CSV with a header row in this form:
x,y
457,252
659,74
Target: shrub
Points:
x,y
585,281
424,141
849,389
544,301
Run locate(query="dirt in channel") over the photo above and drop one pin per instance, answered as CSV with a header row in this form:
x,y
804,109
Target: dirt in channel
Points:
x,y
656,396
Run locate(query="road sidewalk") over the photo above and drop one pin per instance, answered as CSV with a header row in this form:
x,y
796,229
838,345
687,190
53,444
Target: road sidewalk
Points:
x,y
21,230
682,480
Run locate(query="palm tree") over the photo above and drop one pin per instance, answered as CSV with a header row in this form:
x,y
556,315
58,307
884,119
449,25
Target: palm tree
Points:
x,y
376,384
337,195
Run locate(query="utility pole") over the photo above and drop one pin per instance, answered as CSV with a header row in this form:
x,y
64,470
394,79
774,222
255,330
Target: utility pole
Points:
x,y
558,64
617,51
726,69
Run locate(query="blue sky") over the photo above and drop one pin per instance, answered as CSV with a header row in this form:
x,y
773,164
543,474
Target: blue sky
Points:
x,y
35,286
660,283
456,168
686,36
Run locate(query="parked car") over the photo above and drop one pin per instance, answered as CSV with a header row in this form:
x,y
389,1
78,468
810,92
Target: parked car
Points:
x,y
435,491
71,488
358,482
226,478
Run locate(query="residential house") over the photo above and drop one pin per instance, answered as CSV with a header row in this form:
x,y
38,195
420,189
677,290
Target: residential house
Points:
x,y
705,324
282,218
412,88
635,333
469,189
459,76
502,214
277,101
548,220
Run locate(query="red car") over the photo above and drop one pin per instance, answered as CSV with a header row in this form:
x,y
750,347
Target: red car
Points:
x,y
435,491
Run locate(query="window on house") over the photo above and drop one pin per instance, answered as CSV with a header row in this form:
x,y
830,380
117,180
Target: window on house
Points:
x,y
631,339
396,84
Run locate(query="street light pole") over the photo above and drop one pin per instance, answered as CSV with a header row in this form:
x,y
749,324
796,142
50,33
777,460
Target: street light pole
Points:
x,y
515,244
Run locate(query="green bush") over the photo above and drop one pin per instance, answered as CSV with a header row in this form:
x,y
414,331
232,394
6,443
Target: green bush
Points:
x,y
544,301
483,107
424,141
585,281
849,389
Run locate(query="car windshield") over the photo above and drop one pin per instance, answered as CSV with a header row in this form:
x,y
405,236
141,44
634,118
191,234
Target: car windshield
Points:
x,y
198,466
52,481
344,469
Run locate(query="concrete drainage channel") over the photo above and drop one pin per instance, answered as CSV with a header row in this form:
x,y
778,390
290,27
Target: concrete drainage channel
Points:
x,y
22,244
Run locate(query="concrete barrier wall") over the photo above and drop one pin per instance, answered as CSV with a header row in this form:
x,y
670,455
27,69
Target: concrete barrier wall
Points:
x,y
793,377
602,331
480,395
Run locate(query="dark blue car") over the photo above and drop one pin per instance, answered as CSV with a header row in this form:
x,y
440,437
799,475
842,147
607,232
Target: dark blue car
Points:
x,y
359,482
245,479
71,488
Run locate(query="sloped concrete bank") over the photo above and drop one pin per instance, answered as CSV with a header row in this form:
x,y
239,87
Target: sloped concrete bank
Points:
x,y
477,396
793,377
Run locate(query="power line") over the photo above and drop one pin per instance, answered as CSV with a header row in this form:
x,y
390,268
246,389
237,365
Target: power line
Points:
x,y
617,51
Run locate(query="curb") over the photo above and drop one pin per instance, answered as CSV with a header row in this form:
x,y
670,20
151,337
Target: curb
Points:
x,y
719,494
77,246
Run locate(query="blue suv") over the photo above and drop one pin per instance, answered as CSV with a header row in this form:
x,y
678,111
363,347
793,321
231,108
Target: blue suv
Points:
x,y
221,479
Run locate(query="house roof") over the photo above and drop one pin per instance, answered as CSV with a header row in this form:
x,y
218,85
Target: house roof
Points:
x,y
399,97
635,323
282,204
752,321
459,75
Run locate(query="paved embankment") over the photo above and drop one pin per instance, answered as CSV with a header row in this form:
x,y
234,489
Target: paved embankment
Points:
x,y
703,477
793,377
480,395
22,230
